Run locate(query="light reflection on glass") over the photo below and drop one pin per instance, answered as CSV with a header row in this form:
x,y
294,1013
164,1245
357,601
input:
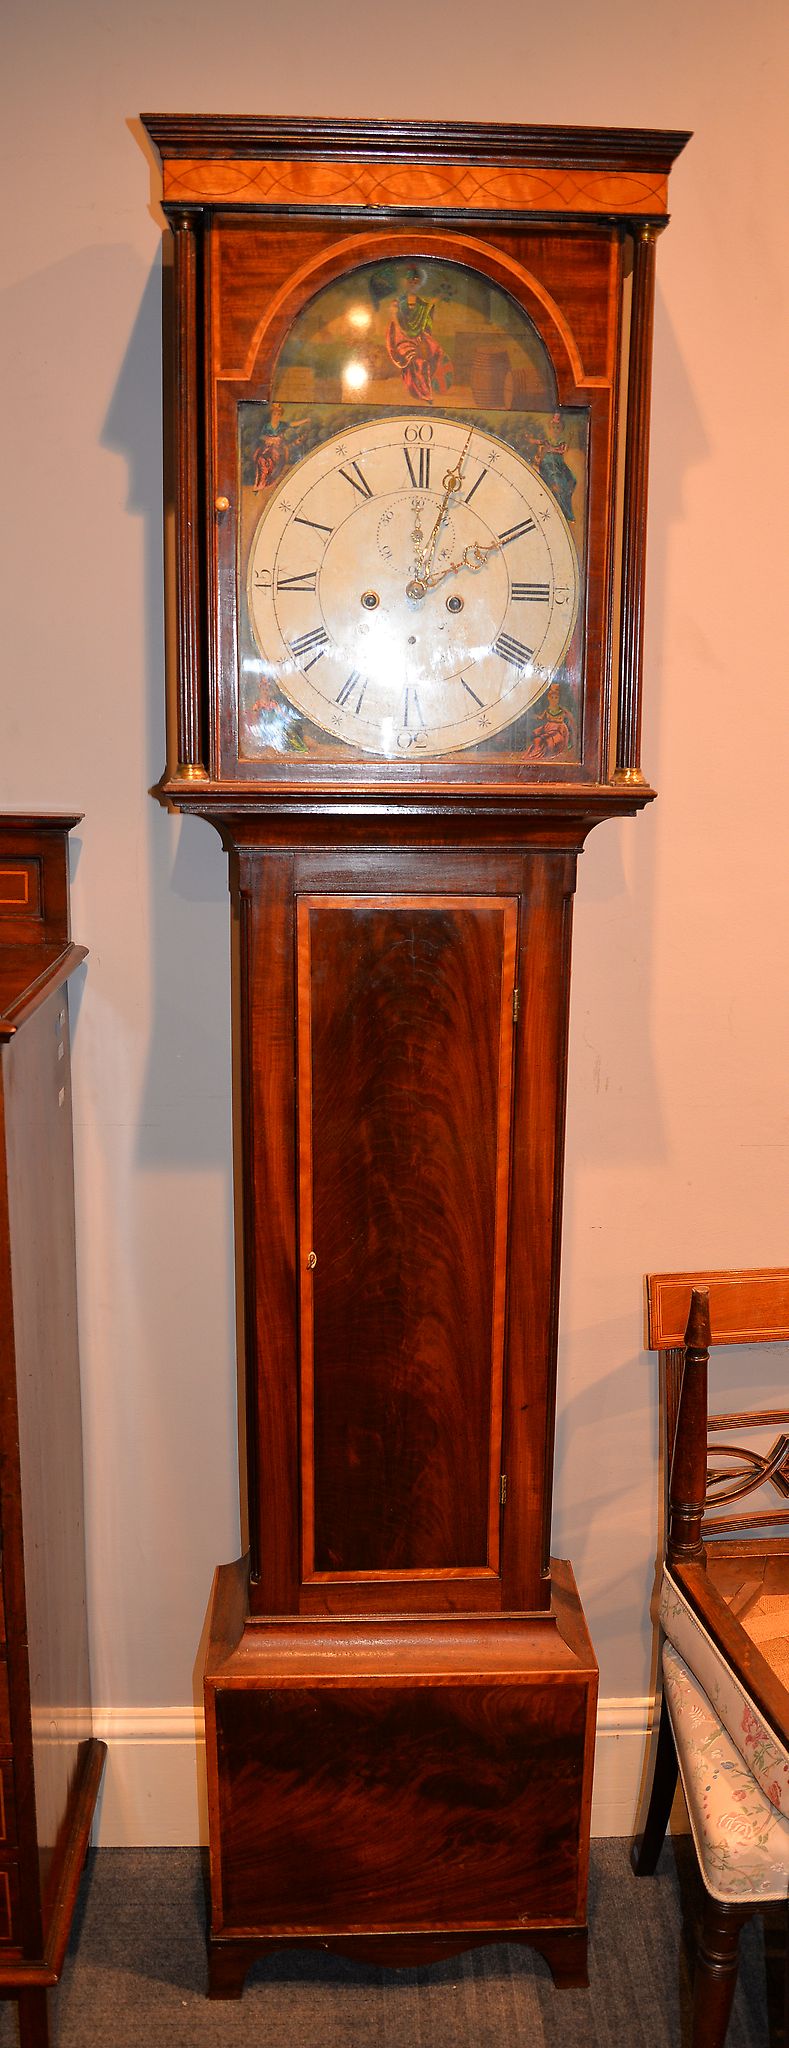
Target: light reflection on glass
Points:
x,y
359,317
355,375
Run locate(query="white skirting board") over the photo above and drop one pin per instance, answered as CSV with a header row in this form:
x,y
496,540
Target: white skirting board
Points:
x,y
154,1784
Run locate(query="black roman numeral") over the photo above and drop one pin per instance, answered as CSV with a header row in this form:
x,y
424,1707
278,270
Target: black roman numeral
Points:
x,y
513,650
475,487
471,693
530,593
412,711
299,520
517,532
358,481
317,640
354,682
306,582
420,477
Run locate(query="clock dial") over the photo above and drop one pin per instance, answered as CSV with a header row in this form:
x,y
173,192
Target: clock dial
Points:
x,y
412,586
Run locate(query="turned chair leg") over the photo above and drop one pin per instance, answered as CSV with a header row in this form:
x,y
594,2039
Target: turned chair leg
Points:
x,y
647,1846
717,1959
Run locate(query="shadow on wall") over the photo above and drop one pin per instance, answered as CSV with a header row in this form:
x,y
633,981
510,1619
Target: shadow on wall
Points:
x,y
607,1484
185,1110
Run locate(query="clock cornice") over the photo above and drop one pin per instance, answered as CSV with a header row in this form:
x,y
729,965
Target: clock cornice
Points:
x,y
250,135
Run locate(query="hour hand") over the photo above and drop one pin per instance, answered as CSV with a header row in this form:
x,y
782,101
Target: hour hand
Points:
x,y
473,557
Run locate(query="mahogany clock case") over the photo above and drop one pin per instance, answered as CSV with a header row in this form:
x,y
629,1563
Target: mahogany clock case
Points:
x,y
400,1688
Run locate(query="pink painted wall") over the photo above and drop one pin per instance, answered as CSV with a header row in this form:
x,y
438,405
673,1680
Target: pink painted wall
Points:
x,y
678,1127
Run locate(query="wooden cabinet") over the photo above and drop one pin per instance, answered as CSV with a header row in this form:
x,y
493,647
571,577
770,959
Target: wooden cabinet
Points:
x,y
50,1765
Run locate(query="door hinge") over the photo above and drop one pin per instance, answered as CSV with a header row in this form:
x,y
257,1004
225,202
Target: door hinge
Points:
x,y
503,1489
516,1005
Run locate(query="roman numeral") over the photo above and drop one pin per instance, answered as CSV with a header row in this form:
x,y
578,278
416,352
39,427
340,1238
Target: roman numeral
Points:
x,y
471,693
513,650
299,520
412,706
420,478
475,487
530,593
352,683
358,482
307,582
517,532
318,640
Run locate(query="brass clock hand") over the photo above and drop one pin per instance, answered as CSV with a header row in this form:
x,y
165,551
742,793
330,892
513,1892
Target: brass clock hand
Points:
x,y
473,557
452,482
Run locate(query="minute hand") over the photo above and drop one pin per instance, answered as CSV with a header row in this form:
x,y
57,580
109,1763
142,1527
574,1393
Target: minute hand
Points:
x,y
452,483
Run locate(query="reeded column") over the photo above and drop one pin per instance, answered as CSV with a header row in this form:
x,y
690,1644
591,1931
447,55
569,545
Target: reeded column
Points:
x,y
186,413
628,746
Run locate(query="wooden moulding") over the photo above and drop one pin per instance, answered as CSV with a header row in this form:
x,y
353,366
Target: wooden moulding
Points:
x,y
474,167
412,815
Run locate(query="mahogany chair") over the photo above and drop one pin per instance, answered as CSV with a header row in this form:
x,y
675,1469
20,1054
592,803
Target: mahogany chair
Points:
x,y
724,1613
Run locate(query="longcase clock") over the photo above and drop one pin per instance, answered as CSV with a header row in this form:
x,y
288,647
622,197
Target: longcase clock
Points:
x,y
409,376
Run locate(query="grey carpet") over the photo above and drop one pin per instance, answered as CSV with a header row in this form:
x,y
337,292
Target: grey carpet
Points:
x,y
136,1975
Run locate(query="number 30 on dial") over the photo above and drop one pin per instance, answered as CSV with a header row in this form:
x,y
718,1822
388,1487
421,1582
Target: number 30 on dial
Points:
x,y
412,587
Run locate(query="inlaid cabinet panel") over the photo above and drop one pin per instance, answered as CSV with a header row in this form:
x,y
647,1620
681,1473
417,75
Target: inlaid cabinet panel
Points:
x,y
405,1056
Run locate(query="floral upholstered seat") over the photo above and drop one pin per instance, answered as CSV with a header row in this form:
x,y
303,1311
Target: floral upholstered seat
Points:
x,y
761,1754
741,1836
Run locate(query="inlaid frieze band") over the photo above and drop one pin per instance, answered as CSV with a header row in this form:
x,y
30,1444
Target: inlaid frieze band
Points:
x,y
492,188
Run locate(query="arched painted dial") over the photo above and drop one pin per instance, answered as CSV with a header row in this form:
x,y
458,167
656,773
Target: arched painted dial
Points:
x,y
413,586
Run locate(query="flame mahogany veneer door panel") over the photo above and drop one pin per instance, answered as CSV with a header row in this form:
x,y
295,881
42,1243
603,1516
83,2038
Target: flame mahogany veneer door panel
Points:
x,y
405,1030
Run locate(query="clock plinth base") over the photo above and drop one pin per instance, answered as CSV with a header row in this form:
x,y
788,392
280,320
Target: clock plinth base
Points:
x,y
564,1949
398,1789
